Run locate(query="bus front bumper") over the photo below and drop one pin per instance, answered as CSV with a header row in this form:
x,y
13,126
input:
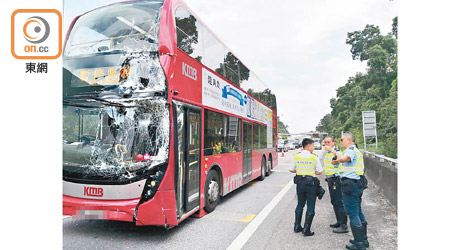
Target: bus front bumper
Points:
x,y
158,211
79,208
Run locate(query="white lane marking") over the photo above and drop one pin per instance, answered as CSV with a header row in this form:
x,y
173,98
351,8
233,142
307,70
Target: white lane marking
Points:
x,y
243,237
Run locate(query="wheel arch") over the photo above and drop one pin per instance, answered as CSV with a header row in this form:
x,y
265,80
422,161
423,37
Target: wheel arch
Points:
x,y
217,167
265,159
270,159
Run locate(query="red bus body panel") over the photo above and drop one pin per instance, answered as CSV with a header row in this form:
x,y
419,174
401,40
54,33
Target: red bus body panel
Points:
x,y
188,89
160,211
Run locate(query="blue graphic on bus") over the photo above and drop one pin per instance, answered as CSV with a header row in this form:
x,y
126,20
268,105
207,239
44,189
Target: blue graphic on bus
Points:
x,y
226,91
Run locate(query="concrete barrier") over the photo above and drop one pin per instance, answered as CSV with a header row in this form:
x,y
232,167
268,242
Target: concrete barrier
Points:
x,y
382,172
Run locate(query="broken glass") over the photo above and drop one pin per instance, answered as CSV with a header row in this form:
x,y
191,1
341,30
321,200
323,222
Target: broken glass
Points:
x,y
116,122
106,140
117,27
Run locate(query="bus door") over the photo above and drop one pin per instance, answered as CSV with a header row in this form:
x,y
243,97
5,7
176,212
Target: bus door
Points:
x,y
187,153
247,150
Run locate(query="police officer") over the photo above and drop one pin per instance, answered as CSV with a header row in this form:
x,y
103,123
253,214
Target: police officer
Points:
x,y
306,166
353,183
334,184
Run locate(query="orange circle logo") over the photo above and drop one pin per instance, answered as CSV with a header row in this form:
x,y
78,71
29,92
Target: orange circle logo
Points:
x,y
36,29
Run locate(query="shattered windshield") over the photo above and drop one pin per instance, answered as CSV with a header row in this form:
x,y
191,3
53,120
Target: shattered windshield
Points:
x,y
105,140
121,26
115,75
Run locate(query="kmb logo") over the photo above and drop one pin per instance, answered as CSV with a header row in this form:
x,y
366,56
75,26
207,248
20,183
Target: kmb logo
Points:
x,y
93,191
36,34
189,71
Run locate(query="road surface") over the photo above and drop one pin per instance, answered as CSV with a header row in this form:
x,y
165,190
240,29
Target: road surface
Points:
x,y
259,215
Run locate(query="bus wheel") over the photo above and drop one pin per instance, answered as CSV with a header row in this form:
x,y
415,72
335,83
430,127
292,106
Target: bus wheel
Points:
x,y
269,167
212,191
263,169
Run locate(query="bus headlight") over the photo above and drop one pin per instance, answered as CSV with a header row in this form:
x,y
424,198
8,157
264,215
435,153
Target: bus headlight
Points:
x,y
151,185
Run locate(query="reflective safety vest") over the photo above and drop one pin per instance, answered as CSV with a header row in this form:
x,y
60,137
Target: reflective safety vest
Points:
x,y
359,166
305,166
328,166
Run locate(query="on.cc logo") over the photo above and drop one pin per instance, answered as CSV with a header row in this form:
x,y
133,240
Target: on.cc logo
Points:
x,y
36,34
36,30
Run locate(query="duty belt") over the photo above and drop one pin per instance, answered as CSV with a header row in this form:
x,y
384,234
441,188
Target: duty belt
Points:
x,y
307,178
333,178
349,179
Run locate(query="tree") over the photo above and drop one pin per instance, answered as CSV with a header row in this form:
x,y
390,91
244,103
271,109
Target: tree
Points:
x,y
361,41
282,129
374,90
395,27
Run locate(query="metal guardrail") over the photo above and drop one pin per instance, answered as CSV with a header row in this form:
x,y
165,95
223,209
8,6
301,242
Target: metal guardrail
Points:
x,y
382,158
382,172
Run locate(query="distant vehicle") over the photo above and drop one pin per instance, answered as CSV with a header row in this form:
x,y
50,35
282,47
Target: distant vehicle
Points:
x,y
296,144
290,146
282,146
317,144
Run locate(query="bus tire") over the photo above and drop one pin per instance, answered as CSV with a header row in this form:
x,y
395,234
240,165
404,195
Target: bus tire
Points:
x,y
263,169
212,191
269,167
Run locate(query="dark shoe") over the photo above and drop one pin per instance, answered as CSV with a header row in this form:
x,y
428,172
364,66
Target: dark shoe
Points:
x,y
366,242
298,220
337,224
343,220
357,246
341,230
308,221
358,234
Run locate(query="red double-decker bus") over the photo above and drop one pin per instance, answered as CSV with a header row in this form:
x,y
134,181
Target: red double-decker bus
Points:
x,y
160,118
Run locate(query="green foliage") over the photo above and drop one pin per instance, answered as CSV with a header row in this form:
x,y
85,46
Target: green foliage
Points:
x,y
395,27
374,90
266,97
361,41
282,129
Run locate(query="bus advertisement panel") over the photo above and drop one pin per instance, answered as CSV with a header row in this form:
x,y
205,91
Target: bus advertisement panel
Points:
x,y
218,94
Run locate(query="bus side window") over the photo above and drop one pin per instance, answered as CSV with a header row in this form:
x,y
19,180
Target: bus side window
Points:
x,y
222,133
233,134
189,34
231,68
214,53
263,136
256,136
244,73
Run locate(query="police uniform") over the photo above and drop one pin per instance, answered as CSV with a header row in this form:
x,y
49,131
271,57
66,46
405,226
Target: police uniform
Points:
x,y
352,189
333,179
305,165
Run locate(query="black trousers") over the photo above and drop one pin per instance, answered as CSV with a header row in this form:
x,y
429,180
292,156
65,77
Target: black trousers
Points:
x,y
335,190
306,194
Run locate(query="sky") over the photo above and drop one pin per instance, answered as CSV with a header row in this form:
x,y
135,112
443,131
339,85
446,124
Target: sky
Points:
x,y
296,47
